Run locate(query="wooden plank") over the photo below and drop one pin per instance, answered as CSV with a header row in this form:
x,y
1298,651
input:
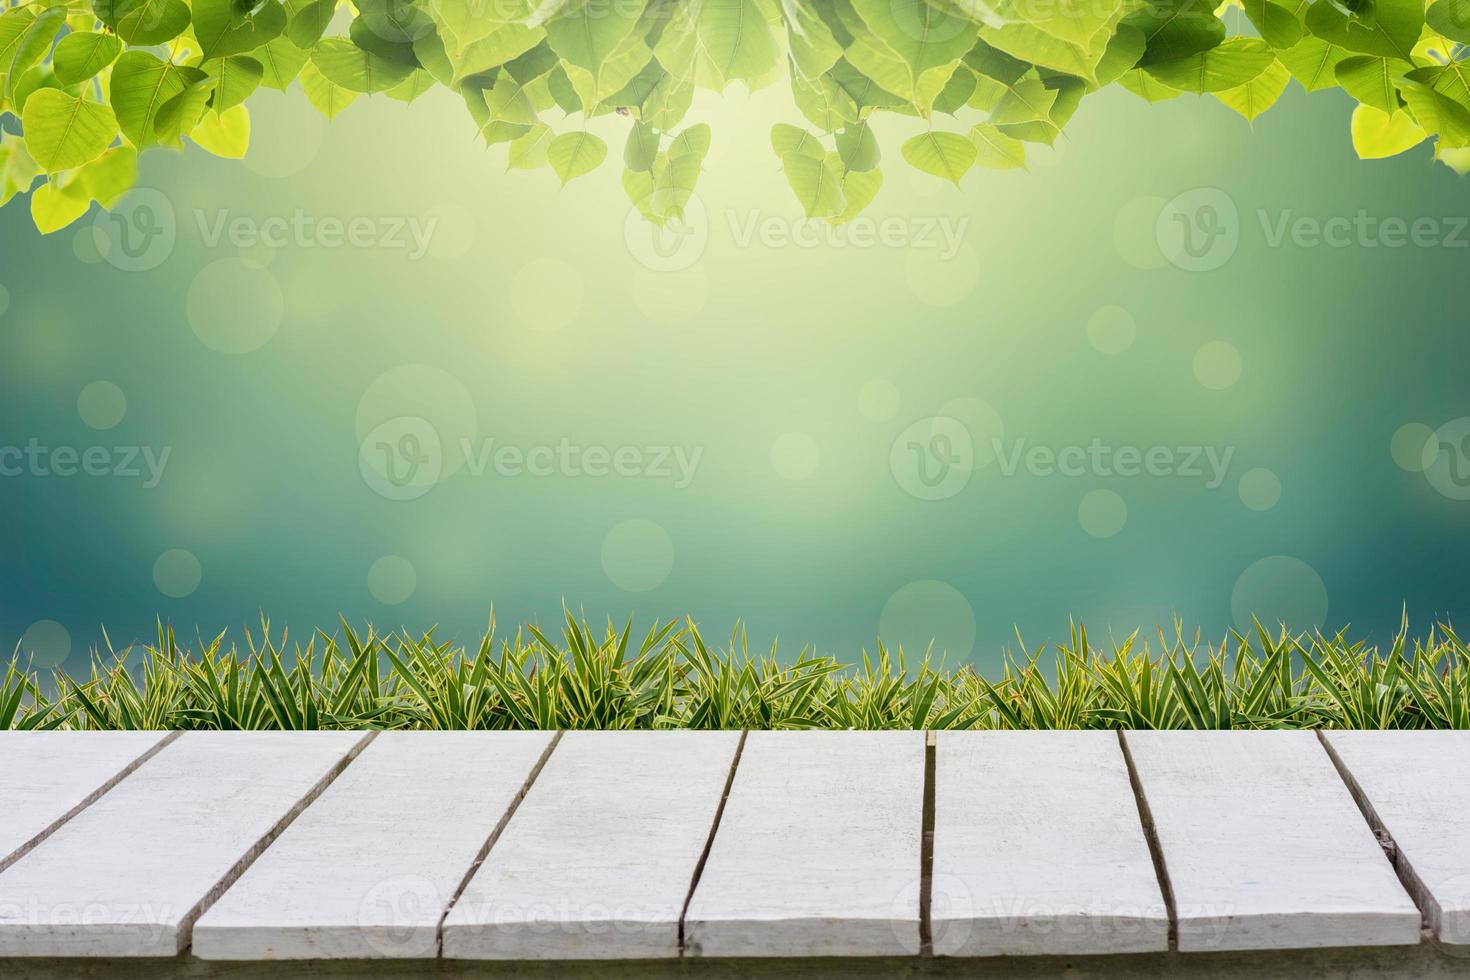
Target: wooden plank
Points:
x,y
49,777
598,860
1417,788
818,851
1264,846
369,870
129,874
1039,849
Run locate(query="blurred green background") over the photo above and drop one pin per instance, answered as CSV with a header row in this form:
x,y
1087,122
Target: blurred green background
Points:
x,y
837,401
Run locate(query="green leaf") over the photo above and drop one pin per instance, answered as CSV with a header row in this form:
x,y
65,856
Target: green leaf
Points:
x,y
859,187
64,131
692,141
813,48
911,47
642,147
528,151
222,29
1234,63
325,95
786,138
1378,134
815,183
179,115
309,21
1438,115
995,150
1450,18
715,42
1146,87
111,175
82,54
1278,26
858,148
945,155
1451,80
573,154
1389,28
144,22
1372,80
236,77
58,203
346,65
281,61
1175,29
141,85
224,134
1258,94
1313,62
31,46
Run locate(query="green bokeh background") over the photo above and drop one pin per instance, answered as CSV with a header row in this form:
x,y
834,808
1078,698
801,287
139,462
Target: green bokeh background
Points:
x,y
532,320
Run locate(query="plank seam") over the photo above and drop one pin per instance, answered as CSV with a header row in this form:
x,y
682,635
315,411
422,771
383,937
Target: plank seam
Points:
x,y
186,925
485,849
1151,837
709,841
92,797
1408,877
926,847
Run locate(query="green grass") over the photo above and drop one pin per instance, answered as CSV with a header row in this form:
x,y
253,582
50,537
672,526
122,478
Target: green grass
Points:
x,y
675,678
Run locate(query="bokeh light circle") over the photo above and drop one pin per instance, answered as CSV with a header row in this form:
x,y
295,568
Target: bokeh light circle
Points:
x,y
235,307
637,555
795,456
1279,589
933,458
1102,513
415,425
1260,489
1135,233
928,611
1111,330
102,405
392,580
1412,447
1447,459
1217,365
177,573
45,644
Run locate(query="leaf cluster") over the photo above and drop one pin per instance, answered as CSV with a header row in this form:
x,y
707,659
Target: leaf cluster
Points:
x,y
674,678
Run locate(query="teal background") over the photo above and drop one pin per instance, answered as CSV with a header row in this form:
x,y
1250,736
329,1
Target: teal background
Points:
x,y
1339,350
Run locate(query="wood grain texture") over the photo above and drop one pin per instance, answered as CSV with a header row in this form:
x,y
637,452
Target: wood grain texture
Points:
x,y
1264,846
370,868
598,860
1038,848
818,852
1417,787
49,777
129,874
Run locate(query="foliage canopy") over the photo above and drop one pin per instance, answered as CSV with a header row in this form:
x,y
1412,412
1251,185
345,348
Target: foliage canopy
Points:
x,y
86,85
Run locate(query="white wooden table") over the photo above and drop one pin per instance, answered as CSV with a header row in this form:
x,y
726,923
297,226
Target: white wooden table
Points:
x,y
645,846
